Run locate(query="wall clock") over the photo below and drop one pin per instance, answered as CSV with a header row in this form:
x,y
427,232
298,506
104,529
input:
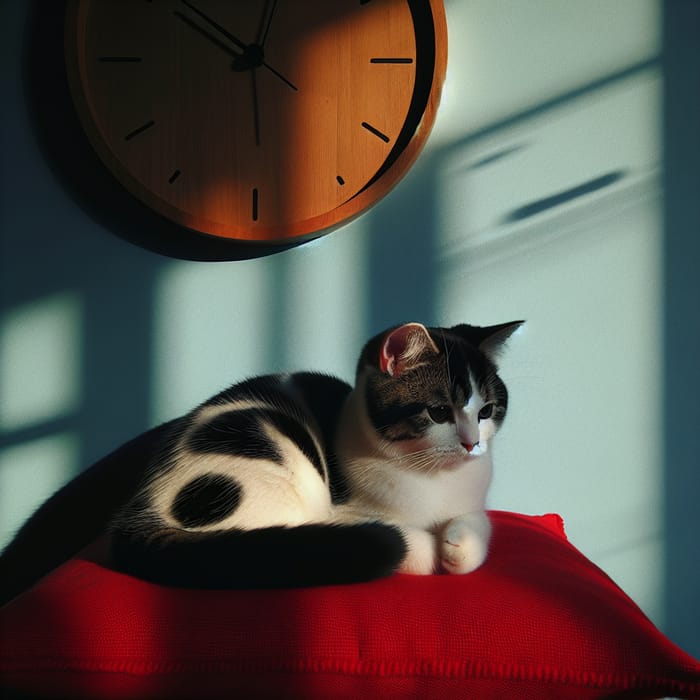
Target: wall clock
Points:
x,y
259,121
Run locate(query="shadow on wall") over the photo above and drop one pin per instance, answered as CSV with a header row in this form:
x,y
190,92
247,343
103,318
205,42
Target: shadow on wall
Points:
x,y
54,254
682,334
77,298
402,254
76,312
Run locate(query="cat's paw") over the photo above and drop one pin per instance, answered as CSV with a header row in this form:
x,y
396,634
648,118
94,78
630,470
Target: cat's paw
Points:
x,y
464,544
420,556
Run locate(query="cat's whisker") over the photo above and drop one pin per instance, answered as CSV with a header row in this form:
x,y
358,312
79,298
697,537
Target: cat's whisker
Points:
x,y
427,460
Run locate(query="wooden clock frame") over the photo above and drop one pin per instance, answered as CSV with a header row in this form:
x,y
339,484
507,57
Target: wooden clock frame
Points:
x,y
427,16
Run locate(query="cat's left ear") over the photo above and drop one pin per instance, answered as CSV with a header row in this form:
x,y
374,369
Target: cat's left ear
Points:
x,y
489,339
404,347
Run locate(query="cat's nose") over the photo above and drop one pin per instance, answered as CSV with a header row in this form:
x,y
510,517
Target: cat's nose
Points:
x,y
468,446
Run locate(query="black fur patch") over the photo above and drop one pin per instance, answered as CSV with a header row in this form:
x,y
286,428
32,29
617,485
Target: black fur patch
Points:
x,y
299,434
205,500
397,421
310,401
308,555
268,389
235,433
324,396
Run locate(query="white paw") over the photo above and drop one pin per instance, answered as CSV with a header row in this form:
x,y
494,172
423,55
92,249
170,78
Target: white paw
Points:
x,y
464,544
420,557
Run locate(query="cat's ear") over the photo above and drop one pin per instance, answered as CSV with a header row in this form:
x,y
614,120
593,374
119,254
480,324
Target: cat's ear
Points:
x,y
489,339
404,347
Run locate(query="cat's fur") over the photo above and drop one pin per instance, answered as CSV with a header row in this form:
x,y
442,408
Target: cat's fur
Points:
x,y
295,480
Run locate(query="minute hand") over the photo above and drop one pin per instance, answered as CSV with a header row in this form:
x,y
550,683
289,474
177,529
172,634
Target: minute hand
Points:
x,y
235,40
216,25
207,35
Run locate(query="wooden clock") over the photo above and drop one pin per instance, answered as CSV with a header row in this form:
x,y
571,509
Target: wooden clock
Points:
x,y
257,120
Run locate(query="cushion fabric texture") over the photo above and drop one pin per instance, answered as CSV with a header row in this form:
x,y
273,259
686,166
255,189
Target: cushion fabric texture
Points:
x,y
537,620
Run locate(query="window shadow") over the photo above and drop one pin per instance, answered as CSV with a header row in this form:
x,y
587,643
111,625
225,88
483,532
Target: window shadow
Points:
x,y
681,182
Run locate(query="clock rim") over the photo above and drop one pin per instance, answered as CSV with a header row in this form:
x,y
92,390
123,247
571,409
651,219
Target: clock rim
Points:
x,y
389,175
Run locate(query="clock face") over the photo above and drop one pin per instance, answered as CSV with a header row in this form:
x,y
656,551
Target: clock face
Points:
x,y
263,120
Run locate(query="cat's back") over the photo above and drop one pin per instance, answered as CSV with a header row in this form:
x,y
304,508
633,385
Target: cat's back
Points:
x,y
240,496
255,455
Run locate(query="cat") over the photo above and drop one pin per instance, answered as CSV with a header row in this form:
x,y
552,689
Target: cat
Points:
x,y
300,479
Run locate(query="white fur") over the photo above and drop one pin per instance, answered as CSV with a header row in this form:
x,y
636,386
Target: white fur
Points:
x,y
463,543
438,502
289,494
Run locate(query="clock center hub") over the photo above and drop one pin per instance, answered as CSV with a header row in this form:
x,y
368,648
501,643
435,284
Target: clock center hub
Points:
x,y
252,57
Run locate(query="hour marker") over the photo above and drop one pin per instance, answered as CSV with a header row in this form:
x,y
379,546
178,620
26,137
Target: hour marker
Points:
x,y
140,130
376,132
340,180
390,60
119,59
255,204
174,176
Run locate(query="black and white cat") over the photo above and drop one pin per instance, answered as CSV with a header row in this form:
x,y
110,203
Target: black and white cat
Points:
x,y
295,480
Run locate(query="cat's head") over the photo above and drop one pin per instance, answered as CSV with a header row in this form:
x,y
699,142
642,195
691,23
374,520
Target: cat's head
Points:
x,y
435,391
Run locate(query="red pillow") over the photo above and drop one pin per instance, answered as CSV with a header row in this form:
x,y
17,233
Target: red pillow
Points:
x,y
537,620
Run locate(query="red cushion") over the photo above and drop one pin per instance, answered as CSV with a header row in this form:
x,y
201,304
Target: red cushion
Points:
x,y
538,620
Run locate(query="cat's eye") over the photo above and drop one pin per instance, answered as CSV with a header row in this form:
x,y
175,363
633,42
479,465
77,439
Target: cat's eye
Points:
x,y
439,414
486,411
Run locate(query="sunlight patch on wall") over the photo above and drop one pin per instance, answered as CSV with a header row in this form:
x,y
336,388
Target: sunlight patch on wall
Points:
x,y
211,328
584,431
30,473
40,361
510,56
555,217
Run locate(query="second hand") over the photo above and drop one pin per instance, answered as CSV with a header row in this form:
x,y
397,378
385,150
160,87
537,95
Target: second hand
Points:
x,y
262,38
256,111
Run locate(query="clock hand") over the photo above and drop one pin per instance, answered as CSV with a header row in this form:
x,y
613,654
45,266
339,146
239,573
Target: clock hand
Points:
x,y
218,27
256,111
266,31
264,39
207,35
280,76
252,55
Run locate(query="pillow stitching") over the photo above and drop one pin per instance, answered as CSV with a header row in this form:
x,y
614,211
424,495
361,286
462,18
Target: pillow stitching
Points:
x,y
459,669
